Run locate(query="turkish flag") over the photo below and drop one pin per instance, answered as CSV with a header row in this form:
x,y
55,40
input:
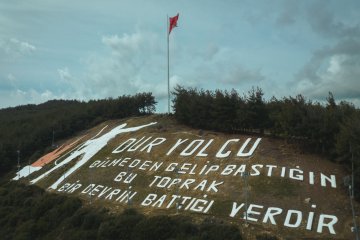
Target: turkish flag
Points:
x,y
173,22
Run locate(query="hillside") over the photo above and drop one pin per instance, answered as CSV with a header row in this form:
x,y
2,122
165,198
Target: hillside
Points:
x,y
160,167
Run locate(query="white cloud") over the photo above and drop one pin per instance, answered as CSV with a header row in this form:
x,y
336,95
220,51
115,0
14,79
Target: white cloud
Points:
x,y
214,47
137,63
11,77
126,42
23,47
131,63
13,48
130,66
31,96
64,74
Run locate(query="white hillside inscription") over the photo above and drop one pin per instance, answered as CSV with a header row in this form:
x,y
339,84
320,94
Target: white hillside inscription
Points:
x,y
187,174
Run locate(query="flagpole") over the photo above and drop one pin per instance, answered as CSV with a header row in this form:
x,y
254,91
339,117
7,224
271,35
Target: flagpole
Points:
x,y
168,62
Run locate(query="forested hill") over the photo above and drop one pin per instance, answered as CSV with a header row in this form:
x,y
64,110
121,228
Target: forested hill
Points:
x,y
218,155
30,128
330,129
161,167
29,212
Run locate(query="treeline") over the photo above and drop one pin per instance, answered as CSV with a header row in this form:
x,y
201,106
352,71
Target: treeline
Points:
x,y
30,128
330,129
29,212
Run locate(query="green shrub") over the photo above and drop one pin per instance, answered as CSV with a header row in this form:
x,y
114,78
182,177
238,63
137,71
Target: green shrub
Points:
x,y
215,231
120,226
155,228
266,237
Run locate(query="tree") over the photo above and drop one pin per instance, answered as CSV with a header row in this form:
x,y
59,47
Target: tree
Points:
x,y
256,114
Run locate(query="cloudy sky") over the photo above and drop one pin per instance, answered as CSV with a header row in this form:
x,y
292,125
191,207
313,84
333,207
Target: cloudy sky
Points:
x,y
89,49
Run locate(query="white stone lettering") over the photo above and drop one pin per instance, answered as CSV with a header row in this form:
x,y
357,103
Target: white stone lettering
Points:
x,y
220,153
251,212
270,213
329,225
331,179
296,174
202,153
192,147
289,215
178,143
255,169
235,209
138,144
249,153
122,147
155,142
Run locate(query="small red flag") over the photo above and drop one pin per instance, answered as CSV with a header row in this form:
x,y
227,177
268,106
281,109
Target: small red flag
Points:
x,y
173,22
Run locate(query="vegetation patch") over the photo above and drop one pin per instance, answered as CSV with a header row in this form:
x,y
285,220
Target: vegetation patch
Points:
x,y
274,186
29,212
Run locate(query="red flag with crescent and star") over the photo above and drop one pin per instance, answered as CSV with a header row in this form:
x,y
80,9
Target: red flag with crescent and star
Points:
x,y
173,22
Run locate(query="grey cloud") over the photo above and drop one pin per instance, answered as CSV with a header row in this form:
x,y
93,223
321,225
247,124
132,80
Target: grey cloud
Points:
x,y
285,19
288,14
325,23
335,69
219,65
310,72
211,51
239,74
